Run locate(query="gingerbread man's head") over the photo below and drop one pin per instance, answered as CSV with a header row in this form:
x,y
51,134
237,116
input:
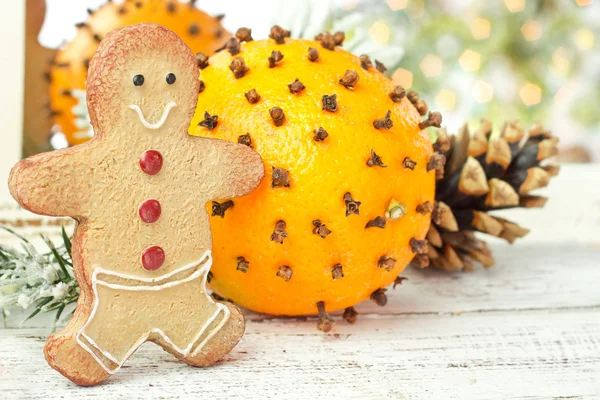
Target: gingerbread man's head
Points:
x,y
132,92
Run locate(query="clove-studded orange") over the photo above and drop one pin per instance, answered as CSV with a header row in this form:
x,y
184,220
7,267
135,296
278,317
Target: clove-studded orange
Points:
x,y
350,169
200,31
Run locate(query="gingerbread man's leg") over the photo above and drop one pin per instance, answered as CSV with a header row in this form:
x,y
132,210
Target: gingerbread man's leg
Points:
x,y
221,343
66,355
210,330
62,350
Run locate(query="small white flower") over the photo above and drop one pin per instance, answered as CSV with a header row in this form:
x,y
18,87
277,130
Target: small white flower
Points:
x,y
24,300
50,274
60,291
46,291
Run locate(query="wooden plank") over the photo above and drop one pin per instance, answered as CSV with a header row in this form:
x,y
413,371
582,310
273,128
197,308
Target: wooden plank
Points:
x,y
572,213
516,355
528,276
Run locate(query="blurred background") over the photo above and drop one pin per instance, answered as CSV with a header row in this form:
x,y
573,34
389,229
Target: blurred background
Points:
x,y
532,60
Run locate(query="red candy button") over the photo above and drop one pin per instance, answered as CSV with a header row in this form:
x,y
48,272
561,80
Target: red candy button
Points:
x,y
153,258
150,211
151,162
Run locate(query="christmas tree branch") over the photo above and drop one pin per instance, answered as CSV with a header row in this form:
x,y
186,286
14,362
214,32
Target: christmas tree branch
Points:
x,y
41,282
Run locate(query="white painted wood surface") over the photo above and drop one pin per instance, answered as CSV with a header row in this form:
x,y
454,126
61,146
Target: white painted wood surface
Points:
x,y
12,61
528,328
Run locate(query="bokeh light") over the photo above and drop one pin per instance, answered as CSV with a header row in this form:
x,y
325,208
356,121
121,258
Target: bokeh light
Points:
x,y
584,38
561,63
515,5
403,78
531,94
379,33
481,28
446,100
397,4
431,65
482,92
470,60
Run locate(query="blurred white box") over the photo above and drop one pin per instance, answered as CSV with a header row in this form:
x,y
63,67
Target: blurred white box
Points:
x,y
12,59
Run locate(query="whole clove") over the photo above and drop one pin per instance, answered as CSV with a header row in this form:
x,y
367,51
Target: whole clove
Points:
x,y
277,115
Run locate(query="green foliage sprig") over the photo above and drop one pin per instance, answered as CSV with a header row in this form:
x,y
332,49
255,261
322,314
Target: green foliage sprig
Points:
x,y
40,282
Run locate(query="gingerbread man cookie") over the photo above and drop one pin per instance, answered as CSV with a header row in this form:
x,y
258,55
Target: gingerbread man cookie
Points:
x,y
138,189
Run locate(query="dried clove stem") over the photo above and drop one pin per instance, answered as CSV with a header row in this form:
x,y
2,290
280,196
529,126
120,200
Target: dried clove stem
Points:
x,y
352,206
377,222
398,281
379,297
252,96
421,107
320,135
325,323
246,140
418,246
233,46
327,40
277,115
209,121
296,87
380,67
275,58
437,163
320,229
244,34
279,233
218,209
238,67
337,272
278,34
425,208
242,265
202,60
385,122
193,29
397,94
330,103
350,315
280,178
375,160
434,119
409,163
350,79
386,262
285,272
365,62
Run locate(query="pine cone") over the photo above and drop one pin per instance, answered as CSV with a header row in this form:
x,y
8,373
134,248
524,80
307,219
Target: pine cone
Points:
x,y
482,174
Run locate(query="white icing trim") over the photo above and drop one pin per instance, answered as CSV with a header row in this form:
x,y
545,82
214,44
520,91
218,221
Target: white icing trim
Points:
x,y
206,258
162,119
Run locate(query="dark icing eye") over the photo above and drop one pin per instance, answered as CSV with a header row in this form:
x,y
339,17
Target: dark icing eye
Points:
x,y
171,78
138,80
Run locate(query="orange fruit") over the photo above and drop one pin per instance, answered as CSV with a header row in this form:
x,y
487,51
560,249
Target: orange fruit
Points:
x,y
336,217
200,31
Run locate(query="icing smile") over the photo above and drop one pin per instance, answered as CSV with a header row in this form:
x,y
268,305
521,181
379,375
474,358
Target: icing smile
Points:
x,y
162,119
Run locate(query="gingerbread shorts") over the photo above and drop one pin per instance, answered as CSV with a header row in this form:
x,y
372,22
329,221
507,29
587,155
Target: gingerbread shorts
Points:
x,y
124,316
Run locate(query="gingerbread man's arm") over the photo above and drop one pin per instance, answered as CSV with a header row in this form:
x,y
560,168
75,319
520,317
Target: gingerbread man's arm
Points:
x,y
51,183
232,169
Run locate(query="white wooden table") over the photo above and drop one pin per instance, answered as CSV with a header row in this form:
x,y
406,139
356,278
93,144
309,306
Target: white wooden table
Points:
x,y
528,328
